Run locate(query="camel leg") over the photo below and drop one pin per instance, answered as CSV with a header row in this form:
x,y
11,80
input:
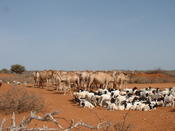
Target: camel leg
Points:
x,y
57,86
89,85
120,85
69,88
106,85
47,83
126,84
78,84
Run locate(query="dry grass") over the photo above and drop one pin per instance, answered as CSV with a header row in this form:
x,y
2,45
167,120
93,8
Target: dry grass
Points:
x,y
145,80
20,100
25,77
123,126
156,71
120,126
153,76
170,73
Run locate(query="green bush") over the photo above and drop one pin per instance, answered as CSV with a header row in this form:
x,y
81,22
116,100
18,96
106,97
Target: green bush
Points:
x,y
17,69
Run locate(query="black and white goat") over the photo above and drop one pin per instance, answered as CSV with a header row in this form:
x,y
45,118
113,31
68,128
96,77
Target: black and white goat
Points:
x,y
127,99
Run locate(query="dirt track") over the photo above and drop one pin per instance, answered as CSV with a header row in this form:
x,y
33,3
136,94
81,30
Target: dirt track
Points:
x,y
162,119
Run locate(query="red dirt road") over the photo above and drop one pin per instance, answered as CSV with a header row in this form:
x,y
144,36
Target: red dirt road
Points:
x,y
162,119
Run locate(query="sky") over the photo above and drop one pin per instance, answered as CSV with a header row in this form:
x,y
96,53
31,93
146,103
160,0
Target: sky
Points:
x,y
87,34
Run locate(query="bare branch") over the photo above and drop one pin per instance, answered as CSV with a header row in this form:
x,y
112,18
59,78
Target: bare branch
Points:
x,y
48,117
82,124
2,124
13,122
39,129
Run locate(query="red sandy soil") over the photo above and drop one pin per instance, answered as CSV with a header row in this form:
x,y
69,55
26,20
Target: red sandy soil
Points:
x,y
4,75
155,75
162,119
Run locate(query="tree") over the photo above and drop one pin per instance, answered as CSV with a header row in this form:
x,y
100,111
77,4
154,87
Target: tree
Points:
x,y
17,68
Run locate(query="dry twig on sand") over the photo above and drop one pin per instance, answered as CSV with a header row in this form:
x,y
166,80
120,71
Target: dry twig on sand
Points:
x,y
50,118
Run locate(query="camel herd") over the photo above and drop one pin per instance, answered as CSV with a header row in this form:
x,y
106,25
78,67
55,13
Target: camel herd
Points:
x,y
66,80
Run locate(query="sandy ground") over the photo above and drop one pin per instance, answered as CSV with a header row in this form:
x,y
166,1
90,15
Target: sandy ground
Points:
x,y
162,119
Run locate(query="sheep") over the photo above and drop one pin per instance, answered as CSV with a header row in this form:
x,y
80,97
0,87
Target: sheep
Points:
x,y
169,100
122,93
104,97
85,103
115,93
16,82
131,90
173,93
145,99
120,99
173,89
165,92
160,102
153,105
121,107
94,100
144,107
105,103
112,106
102,91
128,106
80,95
89,95
131,98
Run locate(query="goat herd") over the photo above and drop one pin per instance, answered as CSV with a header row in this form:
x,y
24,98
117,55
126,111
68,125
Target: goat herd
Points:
x,y
127,99
105,89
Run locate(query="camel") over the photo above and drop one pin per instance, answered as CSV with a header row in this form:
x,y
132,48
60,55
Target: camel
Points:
x,y
36,78
122,80
84,79
68,79
100,78
43,77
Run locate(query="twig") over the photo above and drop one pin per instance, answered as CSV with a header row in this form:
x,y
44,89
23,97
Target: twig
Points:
x,y
48,117
2,124
82,124
13,123
124,119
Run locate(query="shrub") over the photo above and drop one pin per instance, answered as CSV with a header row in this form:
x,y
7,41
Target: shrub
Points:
x,y
4,71
123,125
17,68
156,71
20,100
145,80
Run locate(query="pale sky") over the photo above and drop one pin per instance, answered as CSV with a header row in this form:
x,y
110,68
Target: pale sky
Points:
x,y
87,34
